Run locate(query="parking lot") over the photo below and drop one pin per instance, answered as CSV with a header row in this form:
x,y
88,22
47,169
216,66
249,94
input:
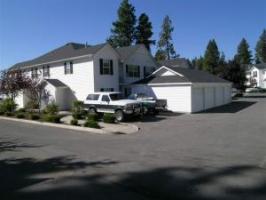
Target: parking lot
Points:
x,y
218,154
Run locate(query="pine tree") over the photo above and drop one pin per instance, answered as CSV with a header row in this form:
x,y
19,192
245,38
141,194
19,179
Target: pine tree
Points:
x,y
123,31
243,55
261,48
160,55
211,57
144,31
165,43
197,63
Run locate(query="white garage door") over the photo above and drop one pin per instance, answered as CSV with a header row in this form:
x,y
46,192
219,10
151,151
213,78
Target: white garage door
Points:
x,y
219,96
227,94
178,97
209,98
197,99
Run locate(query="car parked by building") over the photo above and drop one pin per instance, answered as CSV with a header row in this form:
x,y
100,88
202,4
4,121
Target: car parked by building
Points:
x,y
112,102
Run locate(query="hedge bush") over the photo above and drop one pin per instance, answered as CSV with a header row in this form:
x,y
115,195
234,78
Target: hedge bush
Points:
x,y
109,118
8,105
34,116
51,109
21,110
51,118
9,114
93,117
74,122
91,124
78,110
20,115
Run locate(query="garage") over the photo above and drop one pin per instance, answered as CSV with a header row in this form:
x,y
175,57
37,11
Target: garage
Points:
x,y
185,90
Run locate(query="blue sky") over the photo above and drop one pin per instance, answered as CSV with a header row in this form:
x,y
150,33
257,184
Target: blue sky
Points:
x,y
30,28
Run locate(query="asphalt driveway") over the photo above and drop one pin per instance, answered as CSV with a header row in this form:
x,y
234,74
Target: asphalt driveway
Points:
x,y
218,154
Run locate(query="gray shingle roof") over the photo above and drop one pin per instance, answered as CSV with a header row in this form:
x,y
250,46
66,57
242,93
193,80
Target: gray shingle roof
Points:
x,y
177,62
69,50
260,66
56,83
125,52
189,76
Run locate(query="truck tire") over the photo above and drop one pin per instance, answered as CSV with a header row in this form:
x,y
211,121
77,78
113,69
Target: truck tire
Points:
x,y
119,115
92,110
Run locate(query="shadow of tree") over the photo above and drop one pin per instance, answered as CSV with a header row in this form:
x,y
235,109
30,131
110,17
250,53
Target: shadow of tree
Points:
x,y
13,145
26,178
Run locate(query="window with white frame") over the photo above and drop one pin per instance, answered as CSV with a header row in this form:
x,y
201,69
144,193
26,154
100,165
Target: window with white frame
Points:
x,y
68,67
34,73
255,74
46,71
106,67
133,71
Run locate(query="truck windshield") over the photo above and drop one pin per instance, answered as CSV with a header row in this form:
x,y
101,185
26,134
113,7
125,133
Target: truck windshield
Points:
x,y
115,97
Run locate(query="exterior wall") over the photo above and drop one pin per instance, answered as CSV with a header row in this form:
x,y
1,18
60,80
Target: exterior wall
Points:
x,y
141,58
260,79
106,81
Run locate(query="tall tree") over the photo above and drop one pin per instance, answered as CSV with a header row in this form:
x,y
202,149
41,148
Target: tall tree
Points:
x,y
261,48
211,57
197,63
165,43
123,31
144,31
243,55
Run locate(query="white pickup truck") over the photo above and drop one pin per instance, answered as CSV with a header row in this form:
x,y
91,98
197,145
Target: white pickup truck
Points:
x,y
112,102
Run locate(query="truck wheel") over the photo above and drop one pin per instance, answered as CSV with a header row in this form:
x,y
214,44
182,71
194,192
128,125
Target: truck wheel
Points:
x,y
119,115
92,110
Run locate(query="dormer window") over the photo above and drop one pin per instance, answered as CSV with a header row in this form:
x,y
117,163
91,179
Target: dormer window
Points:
x,y
46,71
34,73
106,67
68,67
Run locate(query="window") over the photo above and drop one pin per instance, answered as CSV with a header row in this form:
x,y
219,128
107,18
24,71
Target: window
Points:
x,y
105,98
93,97
116,97
148,70
255,74
46,71
68,67
107,89
133,71
34,73
106,67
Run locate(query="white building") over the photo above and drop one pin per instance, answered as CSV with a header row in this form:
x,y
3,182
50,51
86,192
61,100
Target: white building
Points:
x,y
185,90
256,75
75,70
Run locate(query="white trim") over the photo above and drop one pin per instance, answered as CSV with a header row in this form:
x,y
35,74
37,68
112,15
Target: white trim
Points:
x,y
164,67
163,84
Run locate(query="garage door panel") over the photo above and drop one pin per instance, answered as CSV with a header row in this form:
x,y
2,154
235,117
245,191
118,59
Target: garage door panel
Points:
x,y
197,99
209,98
178,97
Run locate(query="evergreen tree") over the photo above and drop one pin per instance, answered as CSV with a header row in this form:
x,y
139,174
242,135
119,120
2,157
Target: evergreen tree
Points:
x,y
243,55
123,31
222,65
211,57
236,74
160,55
144,31
165,43
261,48
197,63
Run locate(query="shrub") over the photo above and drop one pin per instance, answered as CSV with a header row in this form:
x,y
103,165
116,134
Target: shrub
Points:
x,y
92,116
74,122
9,114
8,105
51,109
78,110
91,124
32,105
21,110
109,118
51,118
34,116
20,115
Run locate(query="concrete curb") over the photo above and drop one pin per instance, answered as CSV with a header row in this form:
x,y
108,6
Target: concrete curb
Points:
x,y
64,126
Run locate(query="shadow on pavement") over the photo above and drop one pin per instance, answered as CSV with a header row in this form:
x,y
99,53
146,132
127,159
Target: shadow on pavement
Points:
x,y
27,178
233,107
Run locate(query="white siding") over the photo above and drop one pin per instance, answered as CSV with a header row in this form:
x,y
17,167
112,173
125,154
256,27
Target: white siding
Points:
x,y
141,58
178,97
197,103
106,81
219,96
209,97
